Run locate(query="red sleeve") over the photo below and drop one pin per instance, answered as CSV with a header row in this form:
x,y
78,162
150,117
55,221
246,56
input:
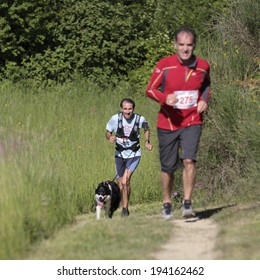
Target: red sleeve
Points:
x,y
155,82
206,86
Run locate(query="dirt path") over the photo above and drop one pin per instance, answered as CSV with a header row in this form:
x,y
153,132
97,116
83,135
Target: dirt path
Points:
x,y
192,239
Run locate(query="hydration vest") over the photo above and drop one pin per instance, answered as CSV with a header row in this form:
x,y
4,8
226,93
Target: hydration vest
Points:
x,y
133,136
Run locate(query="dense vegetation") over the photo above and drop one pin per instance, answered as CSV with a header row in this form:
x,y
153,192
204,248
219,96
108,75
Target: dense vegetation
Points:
x,y
64,67
103,40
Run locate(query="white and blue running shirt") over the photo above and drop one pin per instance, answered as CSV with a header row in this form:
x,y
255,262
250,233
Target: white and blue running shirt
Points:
x,y
128,125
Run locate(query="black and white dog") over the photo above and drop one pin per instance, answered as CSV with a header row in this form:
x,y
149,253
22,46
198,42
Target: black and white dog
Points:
x,y
107,195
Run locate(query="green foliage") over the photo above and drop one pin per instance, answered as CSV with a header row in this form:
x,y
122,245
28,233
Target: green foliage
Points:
x,y
230,136
240,25
105,41
231,133
26,29
170,15
158,46
102,40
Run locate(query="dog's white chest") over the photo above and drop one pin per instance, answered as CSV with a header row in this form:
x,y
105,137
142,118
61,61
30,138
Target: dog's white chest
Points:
x,y
105,205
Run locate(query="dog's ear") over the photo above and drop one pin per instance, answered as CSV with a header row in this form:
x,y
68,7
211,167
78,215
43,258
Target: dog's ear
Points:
x,y
99,186
106,183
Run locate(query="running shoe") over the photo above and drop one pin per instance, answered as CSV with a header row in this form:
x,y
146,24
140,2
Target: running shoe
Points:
x,y
167,211
187,211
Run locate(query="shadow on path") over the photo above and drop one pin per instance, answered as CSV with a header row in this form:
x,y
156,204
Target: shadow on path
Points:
x,y
205,214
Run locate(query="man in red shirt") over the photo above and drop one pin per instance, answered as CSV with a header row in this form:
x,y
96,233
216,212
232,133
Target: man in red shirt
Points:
x,y
180,83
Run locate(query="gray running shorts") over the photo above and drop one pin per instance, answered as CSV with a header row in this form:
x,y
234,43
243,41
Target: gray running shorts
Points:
x,y
184,141
123,164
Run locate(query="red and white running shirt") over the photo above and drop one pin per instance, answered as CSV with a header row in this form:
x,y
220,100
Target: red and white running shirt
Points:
x,y
189,83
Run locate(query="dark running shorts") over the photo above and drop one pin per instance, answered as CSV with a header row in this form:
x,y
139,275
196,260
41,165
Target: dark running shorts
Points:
x,y
170,142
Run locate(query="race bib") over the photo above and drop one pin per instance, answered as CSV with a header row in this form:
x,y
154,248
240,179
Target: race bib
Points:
x,y
186,99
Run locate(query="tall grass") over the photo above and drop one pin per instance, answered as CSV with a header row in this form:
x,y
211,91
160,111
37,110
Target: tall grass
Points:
x,y
53,155
230,143
231,136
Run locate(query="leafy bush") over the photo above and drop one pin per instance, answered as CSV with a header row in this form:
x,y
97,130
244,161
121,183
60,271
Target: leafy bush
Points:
x,y
106,41
102,40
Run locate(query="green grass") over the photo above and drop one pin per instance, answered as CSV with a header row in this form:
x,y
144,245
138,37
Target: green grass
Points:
x,y
132,238
239,237
140,235
53,153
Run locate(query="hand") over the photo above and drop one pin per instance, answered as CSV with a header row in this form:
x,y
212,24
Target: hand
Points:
x,y
202,106
112,139
148,146
171,99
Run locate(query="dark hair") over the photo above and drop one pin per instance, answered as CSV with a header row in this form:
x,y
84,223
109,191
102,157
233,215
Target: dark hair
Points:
x,y
128,100
186,30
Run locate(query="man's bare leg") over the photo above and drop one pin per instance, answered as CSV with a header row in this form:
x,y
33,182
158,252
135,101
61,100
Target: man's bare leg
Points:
x,y
125,191
189,178
167,186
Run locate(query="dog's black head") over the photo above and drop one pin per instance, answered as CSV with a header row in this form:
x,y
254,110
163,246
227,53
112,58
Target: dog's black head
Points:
x,y
103,191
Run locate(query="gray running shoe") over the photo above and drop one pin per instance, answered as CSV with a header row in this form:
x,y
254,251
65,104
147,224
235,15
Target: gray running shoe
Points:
x,y
167,211
187,211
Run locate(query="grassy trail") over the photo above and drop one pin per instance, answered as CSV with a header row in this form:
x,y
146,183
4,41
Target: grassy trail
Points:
x,y
133,238
144,236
